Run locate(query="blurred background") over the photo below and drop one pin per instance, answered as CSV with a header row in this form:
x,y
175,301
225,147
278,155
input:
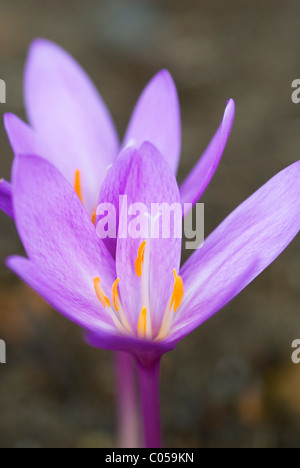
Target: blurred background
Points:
x,y
232,382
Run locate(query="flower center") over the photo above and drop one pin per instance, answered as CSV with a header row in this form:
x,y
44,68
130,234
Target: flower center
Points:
x,y
144,326
142,270
116,311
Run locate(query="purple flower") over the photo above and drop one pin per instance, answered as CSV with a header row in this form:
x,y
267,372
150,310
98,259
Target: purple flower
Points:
x,y
70,125
137,299
128,294
148,312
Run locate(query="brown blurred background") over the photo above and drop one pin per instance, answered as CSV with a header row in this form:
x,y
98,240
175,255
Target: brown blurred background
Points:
x,y
232,383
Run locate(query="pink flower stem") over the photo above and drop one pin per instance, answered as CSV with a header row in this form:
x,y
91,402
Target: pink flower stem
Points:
x,y
127,407
149,389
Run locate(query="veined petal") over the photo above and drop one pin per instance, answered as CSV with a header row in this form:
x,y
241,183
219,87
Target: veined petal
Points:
x,y
113,186
6,203
83,309
79,305
66,110
150,181
145,351
55,229
199,178
246,243
23,139
156,118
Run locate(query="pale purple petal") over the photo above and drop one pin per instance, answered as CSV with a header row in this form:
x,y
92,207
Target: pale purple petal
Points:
x,y
150,181
66,110
55,229
248,241
145,351
83,310
199,178
6,204
113,186
77,304
156,118
23,139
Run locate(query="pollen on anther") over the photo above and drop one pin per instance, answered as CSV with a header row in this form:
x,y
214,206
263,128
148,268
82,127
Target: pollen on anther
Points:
x,y
142,325
100,294
93,217
178,292
115,294
140,259
77,185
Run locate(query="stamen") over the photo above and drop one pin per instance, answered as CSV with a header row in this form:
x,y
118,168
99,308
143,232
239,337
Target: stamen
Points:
x,y
142,323
140,259
115,295
118,306
173,305
77,185
178,292
100,294
120,321
93,217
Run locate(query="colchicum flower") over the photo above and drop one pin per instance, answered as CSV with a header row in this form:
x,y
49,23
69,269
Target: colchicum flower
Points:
x,y
128,294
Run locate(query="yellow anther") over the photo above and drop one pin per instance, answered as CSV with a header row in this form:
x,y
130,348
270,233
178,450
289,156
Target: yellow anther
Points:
x,y
115,295
77,185
93,217
142,325
140,259
100,294
178,292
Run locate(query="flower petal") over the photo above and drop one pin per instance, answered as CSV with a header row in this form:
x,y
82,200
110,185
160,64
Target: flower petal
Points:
x,y
199,178
55,229
113,186
66,110
79,305
156,118
248,241
82,310
150,181
23,139
6,203
145,351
